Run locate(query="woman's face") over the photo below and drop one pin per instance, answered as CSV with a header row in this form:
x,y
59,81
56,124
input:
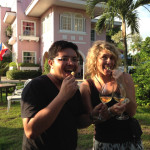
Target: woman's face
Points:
x,y
105,62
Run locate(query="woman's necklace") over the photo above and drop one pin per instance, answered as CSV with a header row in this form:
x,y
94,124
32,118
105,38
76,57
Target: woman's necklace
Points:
x,y
98,81
101,86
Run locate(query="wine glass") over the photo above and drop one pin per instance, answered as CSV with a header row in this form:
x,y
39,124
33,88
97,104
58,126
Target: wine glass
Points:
x,y
120,96
106,94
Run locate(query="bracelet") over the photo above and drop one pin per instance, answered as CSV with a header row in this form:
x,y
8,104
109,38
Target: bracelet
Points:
x,y
110,112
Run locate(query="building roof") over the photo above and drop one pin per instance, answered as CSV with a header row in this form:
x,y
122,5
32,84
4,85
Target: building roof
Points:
x,y
37,7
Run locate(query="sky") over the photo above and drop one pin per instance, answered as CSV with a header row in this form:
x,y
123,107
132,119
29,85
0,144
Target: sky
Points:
x,y
144,21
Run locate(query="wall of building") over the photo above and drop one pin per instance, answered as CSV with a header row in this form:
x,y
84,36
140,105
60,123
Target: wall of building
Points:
x,y
3,26
81,39
47,38
26,45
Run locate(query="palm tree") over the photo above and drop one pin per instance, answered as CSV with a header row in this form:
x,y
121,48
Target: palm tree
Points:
x,y
126,10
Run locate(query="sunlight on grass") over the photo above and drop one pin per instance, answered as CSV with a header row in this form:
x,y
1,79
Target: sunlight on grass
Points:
x,y
11,130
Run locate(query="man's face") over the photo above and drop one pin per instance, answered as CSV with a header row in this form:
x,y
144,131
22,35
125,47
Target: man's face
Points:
x,y
63,64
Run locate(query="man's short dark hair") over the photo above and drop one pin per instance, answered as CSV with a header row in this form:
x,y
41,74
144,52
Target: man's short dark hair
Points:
x,y
59,46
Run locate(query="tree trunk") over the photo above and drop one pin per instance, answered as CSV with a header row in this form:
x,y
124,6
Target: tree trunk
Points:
x,y
125,46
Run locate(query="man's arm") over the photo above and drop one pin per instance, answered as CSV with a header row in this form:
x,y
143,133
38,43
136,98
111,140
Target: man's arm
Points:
x,y
33,127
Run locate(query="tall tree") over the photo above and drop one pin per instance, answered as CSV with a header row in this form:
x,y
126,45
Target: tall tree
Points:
x,y
126,10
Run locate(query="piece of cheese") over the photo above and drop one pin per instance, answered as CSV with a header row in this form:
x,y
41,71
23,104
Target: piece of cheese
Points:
x,y
73,73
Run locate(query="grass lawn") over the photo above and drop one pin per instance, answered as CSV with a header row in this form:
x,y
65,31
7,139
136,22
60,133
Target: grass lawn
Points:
x,y
11,128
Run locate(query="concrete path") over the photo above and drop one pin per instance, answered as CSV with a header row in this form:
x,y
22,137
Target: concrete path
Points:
x,y
5,80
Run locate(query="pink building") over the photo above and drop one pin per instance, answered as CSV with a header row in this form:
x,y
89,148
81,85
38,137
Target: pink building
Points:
x,y
36,24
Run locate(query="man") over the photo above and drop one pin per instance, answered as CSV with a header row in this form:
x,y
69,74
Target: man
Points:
x,y
51,104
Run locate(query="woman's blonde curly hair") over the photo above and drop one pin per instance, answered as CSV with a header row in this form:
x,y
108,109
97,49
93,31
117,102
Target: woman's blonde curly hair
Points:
x,y
93,53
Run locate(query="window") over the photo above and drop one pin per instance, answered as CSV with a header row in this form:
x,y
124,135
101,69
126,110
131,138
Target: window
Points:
x,y
92,35
29,57
28,28
66,22
78,23
72,22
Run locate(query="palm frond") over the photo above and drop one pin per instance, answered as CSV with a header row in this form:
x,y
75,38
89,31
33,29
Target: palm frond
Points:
x,y
101,23
133,21
90,6
146,8
141,3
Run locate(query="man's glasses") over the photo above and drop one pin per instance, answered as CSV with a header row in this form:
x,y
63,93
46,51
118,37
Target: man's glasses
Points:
x,y
66,59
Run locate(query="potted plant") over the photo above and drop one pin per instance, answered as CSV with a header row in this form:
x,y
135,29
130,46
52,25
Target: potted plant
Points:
x,y
9,31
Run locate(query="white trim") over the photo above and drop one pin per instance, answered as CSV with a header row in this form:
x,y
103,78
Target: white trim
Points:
x,y
73,37
29,68
82,54
64,37
79,42
29,38
80,38
9,17
30,7
83,2
72,32
45,24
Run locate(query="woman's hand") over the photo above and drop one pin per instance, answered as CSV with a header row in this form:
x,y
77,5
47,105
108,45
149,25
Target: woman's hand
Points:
x,y
118,108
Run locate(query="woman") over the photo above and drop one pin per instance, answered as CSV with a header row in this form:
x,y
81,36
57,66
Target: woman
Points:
x,y
110,133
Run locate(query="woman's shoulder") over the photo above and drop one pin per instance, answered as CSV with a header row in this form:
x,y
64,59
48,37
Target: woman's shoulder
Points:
x,y
128,78
127,75
84,83
87,82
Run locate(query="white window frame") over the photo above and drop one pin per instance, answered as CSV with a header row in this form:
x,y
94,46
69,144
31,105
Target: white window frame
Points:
x,y
35,60
76,20
34,32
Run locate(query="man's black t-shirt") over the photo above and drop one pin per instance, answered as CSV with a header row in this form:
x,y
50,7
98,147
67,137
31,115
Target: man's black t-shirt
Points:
x,y
62,135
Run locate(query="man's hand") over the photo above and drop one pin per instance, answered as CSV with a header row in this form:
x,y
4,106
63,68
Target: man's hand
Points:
x,y
69,87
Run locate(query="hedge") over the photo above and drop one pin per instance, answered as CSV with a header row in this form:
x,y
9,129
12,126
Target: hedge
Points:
x,y
22,74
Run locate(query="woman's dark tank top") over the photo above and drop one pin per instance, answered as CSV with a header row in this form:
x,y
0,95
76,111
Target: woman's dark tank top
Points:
x,y
112,130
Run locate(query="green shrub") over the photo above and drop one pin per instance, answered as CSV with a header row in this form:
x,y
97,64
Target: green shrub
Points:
x,y
141,76
4,69
46,67
22,74
1,71
142,79
12,64
28,65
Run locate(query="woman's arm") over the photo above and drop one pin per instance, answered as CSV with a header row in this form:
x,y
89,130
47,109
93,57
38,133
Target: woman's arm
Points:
x,y
92,113
130,93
